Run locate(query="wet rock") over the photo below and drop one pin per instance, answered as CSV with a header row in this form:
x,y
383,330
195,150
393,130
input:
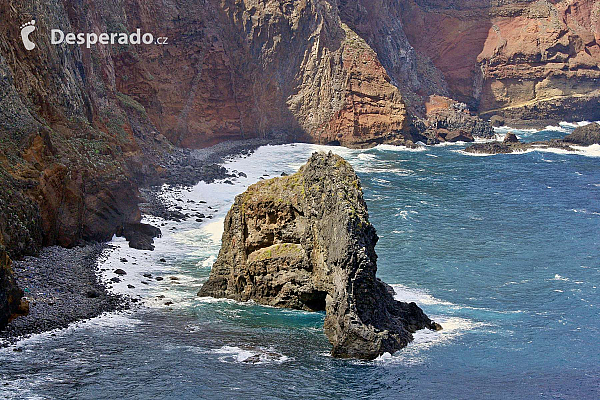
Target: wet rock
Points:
x,y
123,260
163,260
305,242
497,121
131,286
511,138
119,271
115,280
585,135
159,278
10,294
147,275
140,236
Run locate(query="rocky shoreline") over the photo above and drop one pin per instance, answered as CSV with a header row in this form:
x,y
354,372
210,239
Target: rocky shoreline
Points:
x,y
586,135
62,287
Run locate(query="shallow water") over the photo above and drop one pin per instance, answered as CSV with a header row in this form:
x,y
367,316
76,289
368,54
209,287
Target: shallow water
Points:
x,y
503,251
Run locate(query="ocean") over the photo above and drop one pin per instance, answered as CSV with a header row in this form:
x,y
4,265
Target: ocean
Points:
x,y
502,250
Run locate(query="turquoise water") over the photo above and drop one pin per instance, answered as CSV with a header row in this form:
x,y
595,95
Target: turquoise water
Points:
x,y
503,250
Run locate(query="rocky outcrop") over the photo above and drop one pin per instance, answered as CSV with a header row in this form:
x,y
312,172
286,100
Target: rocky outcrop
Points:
x,y
449,121
81,128
585,135
140,236
305,242
10,294
521,59
582,136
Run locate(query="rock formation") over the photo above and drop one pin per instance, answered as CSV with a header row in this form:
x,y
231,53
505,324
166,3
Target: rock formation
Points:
x,y
582,136
526,60
304,241
10,294
81,128
585,135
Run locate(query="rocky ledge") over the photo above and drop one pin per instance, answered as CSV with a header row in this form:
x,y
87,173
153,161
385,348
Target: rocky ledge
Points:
x,y
305,242
582,136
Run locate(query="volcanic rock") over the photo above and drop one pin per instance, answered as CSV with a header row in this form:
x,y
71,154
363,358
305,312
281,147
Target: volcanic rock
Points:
x,y
140,236
305,242
511,138
10,294
585,135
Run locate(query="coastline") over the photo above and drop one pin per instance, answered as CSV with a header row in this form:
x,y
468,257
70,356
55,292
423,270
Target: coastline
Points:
x,y
64,285
185,169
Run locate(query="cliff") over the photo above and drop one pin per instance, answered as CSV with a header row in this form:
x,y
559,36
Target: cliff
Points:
x,y
10,294
526,60
305,242
81,128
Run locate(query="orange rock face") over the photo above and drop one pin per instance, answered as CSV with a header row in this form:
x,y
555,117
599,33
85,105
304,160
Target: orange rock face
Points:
x,y
80,128
522,59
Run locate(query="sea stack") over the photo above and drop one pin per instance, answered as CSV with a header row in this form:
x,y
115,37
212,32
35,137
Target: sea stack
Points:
x,y
305,242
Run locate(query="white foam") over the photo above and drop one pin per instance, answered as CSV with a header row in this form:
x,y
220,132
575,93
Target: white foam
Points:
x,y
250,355
390,147
107,321
415,353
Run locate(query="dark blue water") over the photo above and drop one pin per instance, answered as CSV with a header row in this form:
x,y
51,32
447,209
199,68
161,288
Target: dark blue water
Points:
x,y
503,250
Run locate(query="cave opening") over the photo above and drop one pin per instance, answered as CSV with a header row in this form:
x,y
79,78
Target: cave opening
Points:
x,y
314,301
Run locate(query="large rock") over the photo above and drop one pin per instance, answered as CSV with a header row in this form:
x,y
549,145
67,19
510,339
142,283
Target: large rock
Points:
x,y
585,135
140,236
305,242
10,294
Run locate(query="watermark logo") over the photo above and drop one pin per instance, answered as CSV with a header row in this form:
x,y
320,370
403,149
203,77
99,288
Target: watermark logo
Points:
x,y
26,30
58,37
89,39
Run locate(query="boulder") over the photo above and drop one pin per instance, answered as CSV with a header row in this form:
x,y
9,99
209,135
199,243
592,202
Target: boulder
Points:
x,y
585,135
140,236
305,242
511,138
497,121
459,136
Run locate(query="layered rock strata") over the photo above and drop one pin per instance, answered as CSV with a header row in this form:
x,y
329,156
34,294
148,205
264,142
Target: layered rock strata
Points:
x,y
305,242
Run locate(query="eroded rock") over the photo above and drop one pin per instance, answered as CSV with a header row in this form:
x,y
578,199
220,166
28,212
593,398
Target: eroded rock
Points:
x,y
585,135
10,294
305,242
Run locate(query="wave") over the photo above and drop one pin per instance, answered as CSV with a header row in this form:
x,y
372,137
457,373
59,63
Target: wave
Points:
x,y
391,147
250,355
586,151
106,321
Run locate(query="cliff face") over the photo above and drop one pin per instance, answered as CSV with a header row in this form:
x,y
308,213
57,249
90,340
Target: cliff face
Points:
x,y
305,242
80,128
523,59
255,68
71,144
10,294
